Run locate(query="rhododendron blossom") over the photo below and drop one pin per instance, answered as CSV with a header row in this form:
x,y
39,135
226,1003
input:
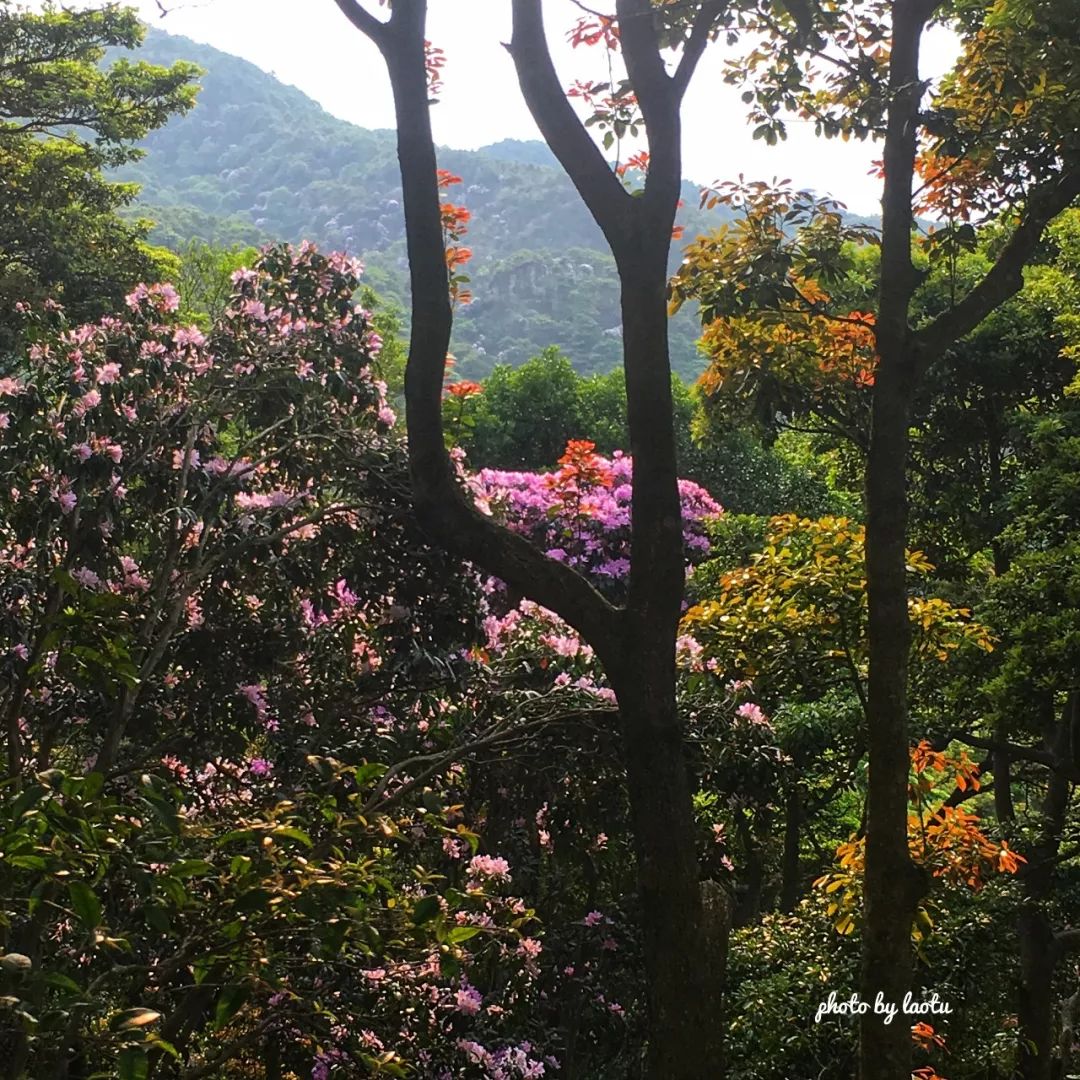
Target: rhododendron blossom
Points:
x,y
580,513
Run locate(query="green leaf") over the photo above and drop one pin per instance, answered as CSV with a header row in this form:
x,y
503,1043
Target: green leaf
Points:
x,y
236,834
132,1064
85,903
92,785
157,918
63,982
294,834
425,910
164,811
230,1001
28,862
26,800
164,1046
239,865
189,868
253,900
462,933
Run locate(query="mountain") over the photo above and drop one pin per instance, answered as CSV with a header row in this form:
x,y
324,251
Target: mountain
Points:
x,y
258,160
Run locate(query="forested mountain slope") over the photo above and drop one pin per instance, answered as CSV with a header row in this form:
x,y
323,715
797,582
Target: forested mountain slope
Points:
x,y
258,160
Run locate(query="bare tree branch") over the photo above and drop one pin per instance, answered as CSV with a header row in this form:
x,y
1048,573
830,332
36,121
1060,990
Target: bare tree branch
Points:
x,y
700,33
363,20
1006,277
503,736
607,200
1021,753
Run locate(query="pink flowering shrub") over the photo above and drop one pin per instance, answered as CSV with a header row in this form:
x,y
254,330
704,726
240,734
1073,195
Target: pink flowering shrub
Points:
x,y
215,505
218,619
354,810
580,512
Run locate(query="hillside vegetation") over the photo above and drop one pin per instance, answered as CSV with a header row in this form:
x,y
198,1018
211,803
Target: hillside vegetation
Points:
x,y
258,160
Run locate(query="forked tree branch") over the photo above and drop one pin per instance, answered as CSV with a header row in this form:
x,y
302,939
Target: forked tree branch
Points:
x,y
440,499
659,103
607,200
363,20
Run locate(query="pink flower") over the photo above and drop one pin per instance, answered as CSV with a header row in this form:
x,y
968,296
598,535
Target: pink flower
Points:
x,y
254,309
593,918
468,1000
82,451
489,866
259,767
21,651
188,335
90,400
136,296
530,948
254,693
751,712
193,611
688,651
132,578
168,296
387,416
178,459
86,578
67,501
10,387
107,373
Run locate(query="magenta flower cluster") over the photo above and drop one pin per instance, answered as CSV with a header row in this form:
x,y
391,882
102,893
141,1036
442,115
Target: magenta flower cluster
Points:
x,y
586,524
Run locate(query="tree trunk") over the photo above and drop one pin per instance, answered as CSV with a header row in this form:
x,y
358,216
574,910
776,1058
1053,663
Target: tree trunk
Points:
x,y
1039,948
684,927
684,959
790,880
684,955
892,883
1038,959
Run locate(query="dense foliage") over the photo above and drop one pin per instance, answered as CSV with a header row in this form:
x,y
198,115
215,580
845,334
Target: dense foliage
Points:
x,y
64,121
291,791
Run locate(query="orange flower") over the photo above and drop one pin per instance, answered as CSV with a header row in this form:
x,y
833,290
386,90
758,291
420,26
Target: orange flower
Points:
x,y
639,161
1009,861
457,256
464,389
926,1037
454,218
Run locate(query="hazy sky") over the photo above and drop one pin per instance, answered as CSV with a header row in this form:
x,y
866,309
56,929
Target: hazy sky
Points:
x,y
310,44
